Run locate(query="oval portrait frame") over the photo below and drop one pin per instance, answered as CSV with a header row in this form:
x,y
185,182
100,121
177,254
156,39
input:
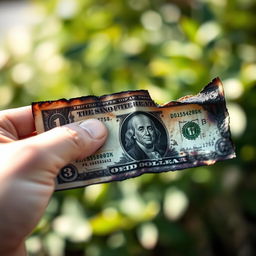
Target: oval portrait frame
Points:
x,y
164,138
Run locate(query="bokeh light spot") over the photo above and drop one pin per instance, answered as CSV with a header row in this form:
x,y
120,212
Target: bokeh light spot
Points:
x,y
44,51
151,20
231,177
55,244
207,32
233,88
92,193
34,245
3,58
170,12
116,240
249,72
74,228
6,95
66,9
133,206
148,235
19,41
110,213
132,45
22,73
247,52
175,203
238,120
138,5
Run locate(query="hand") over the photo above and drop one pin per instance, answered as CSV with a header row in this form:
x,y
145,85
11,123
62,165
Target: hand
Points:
x,y
28,168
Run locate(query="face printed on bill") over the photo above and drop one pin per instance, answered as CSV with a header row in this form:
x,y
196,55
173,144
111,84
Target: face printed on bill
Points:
x,y
144,130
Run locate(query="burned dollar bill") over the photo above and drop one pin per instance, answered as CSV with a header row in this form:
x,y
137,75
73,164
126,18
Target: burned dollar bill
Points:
x,y
143,136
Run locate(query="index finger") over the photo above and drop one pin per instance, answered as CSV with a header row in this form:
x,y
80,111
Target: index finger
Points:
x,y
21,119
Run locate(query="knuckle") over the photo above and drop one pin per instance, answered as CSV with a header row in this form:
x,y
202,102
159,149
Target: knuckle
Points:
x,y
76,138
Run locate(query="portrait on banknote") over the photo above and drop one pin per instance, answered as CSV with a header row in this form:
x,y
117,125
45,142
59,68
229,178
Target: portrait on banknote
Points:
x,y
143,136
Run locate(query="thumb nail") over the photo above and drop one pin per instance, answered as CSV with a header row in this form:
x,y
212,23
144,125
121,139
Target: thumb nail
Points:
x,y
95,128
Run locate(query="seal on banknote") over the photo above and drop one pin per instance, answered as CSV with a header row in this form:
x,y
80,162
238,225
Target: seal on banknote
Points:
x,y
191,130
223,147
144,136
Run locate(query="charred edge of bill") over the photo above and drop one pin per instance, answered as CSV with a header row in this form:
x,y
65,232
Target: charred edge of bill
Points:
x,y
41,104
214,87
218,83
142,171
35,109
36,106
215,84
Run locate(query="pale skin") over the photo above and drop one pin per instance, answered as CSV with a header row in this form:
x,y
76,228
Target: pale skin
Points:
x,y
28,167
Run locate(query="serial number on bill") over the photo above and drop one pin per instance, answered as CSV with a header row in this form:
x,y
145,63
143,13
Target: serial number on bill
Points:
x,y
185,113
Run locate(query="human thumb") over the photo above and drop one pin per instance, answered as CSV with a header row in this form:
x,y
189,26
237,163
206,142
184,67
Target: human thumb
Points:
x,y
57,147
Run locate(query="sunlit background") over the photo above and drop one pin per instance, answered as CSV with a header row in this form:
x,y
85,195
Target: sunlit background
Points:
x,y
51,49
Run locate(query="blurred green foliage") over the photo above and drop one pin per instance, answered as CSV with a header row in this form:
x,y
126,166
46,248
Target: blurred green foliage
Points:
x,y
172,48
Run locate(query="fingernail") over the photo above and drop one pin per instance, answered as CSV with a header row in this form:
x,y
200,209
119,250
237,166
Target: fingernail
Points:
x,y
95,128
